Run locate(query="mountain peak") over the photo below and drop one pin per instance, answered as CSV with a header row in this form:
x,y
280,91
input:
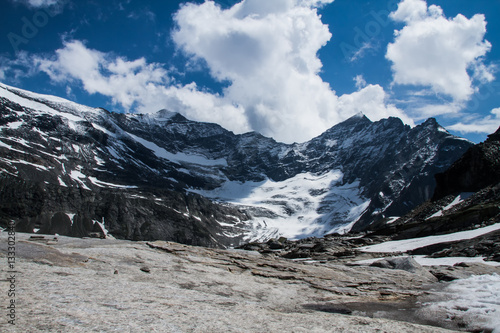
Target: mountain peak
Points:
x,y
355,120
431,123
431,120
432,126
360,116
165,114
494,136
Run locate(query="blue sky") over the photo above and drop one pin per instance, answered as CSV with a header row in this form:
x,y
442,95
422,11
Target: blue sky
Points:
x,y
289,69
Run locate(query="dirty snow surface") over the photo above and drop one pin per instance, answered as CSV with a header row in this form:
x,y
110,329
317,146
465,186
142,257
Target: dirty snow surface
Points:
x,y
476,300
91,285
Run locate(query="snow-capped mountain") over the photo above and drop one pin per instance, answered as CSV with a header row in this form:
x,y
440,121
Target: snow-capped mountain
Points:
x,y
73,169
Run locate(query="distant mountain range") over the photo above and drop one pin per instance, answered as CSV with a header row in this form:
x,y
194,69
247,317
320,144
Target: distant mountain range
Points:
x,y
79,171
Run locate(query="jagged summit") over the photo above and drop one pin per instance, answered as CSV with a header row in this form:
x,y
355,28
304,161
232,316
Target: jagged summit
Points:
x,y
166,114
358,117
430,122
162,176
357,121
494,136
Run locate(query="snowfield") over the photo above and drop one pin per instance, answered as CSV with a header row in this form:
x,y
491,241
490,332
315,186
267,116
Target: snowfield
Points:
x,y
415,243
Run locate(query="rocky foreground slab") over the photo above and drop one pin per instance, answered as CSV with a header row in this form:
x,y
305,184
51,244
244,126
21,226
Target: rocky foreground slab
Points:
x,y
102,285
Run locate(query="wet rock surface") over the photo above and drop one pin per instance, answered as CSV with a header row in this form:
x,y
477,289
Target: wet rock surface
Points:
x,y
82,285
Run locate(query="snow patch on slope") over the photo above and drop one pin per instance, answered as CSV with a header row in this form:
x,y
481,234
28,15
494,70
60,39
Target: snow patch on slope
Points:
x,y
179,157
445,261
100,183
4,145
38,106
78,177
460,198
415,243
451,261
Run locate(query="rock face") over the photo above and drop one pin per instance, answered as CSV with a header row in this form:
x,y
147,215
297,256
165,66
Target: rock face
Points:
x,y
478,168
42,208
76,170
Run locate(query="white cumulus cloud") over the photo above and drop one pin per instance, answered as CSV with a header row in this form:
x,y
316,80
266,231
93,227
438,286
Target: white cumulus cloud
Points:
x,y
136,85
124,81
439,52
267,51
372,100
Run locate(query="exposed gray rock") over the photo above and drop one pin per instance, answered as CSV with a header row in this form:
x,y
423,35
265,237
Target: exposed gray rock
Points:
x,y
462,271
129,215
195,289
403,263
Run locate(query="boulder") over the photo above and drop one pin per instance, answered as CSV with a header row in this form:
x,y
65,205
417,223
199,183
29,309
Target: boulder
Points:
x,y
407,264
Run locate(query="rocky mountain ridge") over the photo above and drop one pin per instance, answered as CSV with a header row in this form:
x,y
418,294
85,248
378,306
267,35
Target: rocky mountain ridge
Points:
x,y
73,169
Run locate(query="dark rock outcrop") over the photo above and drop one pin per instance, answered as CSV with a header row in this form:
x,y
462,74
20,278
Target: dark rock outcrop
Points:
x,y
478,168
70,211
